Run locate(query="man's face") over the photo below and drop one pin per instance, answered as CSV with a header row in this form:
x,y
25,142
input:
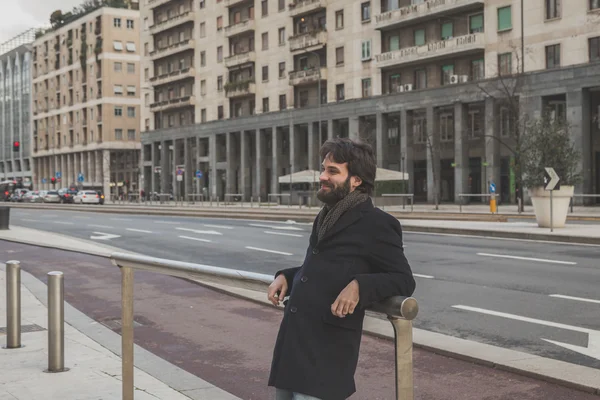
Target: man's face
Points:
x,y
336,182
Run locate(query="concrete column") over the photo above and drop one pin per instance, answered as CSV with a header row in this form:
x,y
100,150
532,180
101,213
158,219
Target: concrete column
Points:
x,y
153,176
578,117
406,148
433,156
313,147
380,130
212,156
175,184
89,177
189,169
106,171
231,164
330,133
82,164
245,181
461,152
63,169
259,165
164,167
492,146
98,170
293,145
275,147
353,127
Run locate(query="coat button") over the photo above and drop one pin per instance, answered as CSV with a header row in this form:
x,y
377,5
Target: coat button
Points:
x,y
315,251
304,279
293,310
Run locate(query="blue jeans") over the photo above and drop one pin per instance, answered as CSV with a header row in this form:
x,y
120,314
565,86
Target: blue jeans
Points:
x,y
281,394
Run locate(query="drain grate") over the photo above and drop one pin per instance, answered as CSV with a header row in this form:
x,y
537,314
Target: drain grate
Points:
x,y
25,329
115,324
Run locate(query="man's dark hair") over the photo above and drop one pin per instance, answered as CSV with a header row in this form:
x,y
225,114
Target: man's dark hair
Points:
x,y
358,155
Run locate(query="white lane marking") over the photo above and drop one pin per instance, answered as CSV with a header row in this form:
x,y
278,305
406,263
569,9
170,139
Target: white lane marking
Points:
x,y
63,223
167,222
591,350
218,226
101,226
527,259
197,239
283,234
269,251
104,236
76,217
278,227
424,276
562,296
200,232
120,219
137,230
500,238
30,220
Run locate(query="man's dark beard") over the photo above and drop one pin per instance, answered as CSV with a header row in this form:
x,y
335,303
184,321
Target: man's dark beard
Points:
x,y
335,192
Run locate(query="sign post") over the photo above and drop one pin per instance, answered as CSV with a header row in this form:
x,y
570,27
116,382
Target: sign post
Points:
x,y
551,182
493,204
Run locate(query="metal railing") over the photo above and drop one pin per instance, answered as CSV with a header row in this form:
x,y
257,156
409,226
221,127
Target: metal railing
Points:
x,y
404,197
463,195
400,311
228,196
288,195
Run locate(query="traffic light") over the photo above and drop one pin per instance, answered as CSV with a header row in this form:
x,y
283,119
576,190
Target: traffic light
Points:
x,y
53,180
16,146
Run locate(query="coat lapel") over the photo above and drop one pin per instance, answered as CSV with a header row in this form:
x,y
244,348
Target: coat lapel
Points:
x,y
349,218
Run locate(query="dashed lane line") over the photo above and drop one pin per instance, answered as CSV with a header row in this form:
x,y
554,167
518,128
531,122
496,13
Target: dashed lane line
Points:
x,y
283,253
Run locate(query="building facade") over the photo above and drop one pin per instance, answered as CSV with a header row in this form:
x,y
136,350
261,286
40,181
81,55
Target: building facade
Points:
x,y
15,109
86,88
245,96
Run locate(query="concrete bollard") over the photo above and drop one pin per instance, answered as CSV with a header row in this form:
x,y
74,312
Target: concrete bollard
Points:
x,y
13,305
56,323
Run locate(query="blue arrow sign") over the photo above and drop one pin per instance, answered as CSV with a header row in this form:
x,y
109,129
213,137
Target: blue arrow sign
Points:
x,y
198,174
80,178
58,175
492,187
44,180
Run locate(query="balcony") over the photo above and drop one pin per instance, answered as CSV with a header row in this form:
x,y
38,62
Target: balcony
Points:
x,y
451,47
301,7
240,88
239,28
188,44
156,3
308,41
240,59
173,103
173,76
233,3
187,16
427,10
307,76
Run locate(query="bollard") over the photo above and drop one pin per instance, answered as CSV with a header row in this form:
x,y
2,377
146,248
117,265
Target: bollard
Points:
x,y
4,218
56,323
13,305
404,358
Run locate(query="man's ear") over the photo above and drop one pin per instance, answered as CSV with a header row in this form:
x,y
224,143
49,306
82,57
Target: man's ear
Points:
x,y
355,182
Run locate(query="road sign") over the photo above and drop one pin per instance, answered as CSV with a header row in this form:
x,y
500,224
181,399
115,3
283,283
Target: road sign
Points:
x,y
179,178
80,177
58,175
179,171
492,187
157,170
551,180
198,174
44,180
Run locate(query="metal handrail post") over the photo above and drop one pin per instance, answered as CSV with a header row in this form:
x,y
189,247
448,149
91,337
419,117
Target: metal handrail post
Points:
x,y
403,336
56,322
412,203
460,201
13,305
127,275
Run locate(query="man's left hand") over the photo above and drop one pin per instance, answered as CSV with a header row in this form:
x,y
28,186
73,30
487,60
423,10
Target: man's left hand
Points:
x,y
346,301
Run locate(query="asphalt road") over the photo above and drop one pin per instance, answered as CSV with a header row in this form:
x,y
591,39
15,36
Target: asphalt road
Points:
x,y
540,298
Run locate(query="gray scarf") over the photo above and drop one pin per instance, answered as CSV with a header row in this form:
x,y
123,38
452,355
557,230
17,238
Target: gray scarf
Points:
x,y
329,215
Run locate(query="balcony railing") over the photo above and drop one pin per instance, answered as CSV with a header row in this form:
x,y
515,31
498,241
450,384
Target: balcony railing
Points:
x,y
233,3
173,49
239,28
155,3
300,7
307,76
240,88
460,44
172,22
303,41
173,103
240,59
173,76
428,9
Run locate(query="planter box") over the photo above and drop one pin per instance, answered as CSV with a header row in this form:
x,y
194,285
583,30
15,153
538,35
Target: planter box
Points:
x,y
540,199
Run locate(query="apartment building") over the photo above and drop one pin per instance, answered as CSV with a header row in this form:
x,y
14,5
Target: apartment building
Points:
x,y
15,109
242,96
86,102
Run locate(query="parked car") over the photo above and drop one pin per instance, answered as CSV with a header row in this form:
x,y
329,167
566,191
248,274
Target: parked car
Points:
x,y
52,197
34,197
101,195
87,197
67,195
19,194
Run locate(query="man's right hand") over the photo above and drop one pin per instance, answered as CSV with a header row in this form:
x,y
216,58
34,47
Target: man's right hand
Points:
x,y
278,285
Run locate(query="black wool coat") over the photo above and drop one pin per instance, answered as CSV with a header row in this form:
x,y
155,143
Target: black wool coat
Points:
x,y
316,352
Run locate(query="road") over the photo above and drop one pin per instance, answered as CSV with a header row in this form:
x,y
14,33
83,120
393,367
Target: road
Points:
x,y
540,298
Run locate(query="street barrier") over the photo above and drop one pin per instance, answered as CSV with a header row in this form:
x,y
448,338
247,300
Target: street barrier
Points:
x,y
228,196
56,322
399,310
13,305
404,196
289,196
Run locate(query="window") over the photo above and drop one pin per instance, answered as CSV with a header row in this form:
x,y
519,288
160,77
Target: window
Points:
x,y
552,9
504,18
220,54
474,128
265,40
281,36
147,99
131,47
203,87
395,83
282,70
118,67
553,56
129,24
118,134
447,71
130,134
421,79
220,83
203,59
219,22
339,56
220,113
282,102
476,23
203,115
366,87
130,68
117,22
394,43
146,23
303,98
118,46
505,64
202,29
366,50
393,135
419,129
131,90
365,11
447,30
264,7
594,4
339,92
419,37
594,49
202,4
339,19
504,122
118,89
265,73
281,5
265,104
477,69
131,112
446,127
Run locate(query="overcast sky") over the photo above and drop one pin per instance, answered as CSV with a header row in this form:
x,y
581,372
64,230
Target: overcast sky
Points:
x,y
17,16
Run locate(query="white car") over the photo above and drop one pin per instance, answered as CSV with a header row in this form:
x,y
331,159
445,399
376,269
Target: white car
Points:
x,y
87,197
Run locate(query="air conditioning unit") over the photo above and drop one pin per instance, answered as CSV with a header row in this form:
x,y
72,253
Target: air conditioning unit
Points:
x,y
463,78
408,87
453,79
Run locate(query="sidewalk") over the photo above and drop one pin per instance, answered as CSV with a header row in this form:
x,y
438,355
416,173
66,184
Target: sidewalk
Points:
x,y
94,370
